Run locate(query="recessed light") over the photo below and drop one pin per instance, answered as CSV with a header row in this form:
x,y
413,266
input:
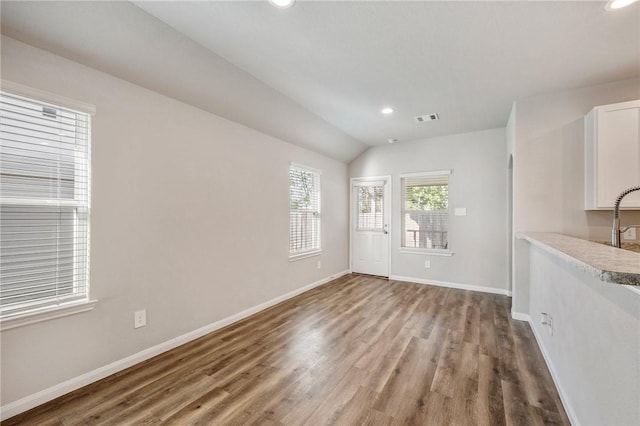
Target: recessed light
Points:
x,y
618,4
386,110
392,140
282,4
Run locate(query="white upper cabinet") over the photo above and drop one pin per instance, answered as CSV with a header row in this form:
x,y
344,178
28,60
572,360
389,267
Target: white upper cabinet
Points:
x,y
612,155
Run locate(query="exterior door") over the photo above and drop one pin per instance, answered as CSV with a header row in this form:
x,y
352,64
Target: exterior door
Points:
x,y
370,213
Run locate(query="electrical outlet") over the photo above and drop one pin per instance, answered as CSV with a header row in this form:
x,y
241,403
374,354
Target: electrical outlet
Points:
x,y
319,264
427,264
546,319
629,234
543,318
140,318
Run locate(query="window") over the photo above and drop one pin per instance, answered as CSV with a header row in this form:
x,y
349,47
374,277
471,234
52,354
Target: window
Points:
x,y
370,208
304,211
425,210
44,206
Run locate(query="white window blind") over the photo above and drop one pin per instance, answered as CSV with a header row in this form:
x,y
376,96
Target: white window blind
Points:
x,y
44,205
425,210
304,210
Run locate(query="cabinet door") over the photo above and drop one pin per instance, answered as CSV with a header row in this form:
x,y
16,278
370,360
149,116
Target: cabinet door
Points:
x,y
617,153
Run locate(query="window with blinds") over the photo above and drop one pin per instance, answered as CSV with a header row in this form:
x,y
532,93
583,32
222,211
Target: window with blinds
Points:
x,y
44,205
425,210
304,210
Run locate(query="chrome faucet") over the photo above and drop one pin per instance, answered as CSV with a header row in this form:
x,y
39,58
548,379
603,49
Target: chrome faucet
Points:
x,y
616,231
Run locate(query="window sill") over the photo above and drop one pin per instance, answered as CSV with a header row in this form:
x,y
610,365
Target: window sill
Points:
x,y
301,256
429,252
44,314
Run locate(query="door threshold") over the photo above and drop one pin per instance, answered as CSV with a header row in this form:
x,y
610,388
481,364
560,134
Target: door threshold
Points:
x,y
370,275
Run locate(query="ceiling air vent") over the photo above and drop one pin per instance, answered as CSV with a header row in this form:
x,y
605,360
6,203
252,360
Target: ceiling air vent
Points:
x,y
428,117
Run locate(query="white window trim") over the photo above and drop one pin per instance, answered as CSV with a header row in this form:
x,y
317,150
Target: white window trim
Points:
x,y
46,313
47,97
303,167
300,256
38,314
376,182
425,251
418,174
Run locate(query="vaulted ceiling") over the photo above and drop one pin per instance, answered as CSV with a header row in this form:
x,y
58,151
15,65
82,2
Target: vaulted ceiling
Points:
x,y
317,74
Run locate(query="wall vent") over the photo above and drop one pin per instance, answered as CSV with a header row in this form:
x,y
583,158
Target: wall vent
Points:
x,y
428,117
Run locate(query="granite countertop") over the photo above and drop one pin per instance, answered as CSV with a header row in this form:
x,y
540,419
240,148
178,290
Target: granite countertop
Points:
x,y
625,245
607,263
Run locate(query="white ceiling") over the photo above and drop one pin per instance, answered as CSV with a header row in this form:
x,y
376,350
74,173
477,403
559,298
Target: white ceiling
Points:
x,y
344,61
466,61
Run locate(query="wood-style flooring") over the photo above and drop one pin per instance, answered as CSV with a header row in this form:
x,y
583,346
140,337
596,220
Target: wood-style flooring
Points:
x,y
359,350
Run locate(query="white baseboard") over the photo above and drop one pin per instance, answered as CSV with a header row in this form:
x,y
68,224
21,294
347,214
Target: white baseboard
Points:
x,y
554,375
16,407
482,289
520,316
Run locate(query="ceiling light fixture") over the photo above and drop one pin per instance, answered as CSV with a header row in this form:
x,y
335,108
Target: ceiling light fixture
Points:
x,y
282,4
618,4
392,140
386,110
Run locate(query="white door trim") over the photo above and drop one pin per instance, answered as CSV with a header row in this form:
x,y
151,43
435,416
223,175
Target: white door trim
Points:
x,y
387,204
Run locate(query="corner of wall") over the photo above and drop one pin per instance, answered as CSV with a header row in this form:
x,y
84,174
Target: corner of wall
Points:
x,y
520,301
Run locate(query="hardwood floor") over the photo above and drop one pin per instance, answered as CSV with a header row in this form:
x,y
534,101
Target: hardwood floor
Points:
x,y
359,350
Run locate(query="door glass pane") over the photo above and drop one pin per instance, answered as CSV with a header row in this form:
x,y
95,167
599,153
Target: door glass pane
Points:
x,y
370,205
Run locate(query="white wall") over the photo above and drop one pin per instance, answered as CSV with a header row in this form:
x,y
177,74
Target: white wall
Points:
x,y
189,220
549,169
478,182
594,351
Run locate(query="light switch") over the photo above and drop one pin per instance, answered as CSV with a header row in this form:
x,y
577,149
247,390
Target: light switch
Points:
x,y
460,211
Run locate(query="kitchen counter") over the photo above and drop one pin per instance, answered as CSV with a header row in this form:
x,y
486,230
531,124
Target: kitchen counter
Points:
x,y
592,332
606,263
625,245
